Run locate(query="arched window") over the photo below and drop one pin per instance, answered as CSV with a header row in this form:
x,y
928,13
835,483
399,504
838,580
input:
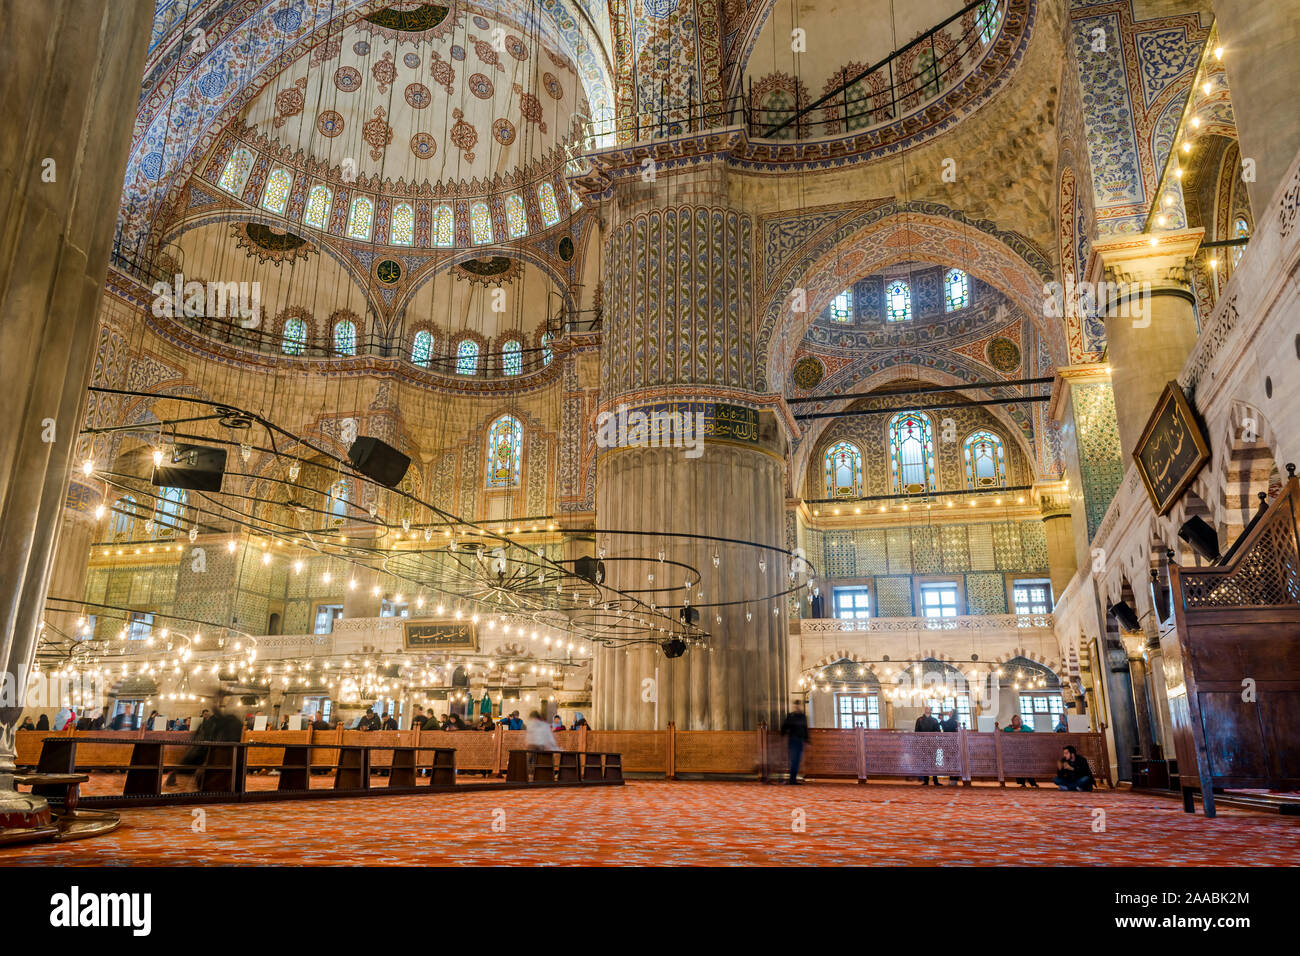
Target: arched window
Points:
x,y
547,354
294,338
1240,230
843,470
480,223
898,301
516,217
956,290
422,348
345,337
467,357
238,166
123,518
575,201
777,107
293,341
275,197
842,306
911,453
403,224
319,201
546,203
512,358
363,210
987,19
927,75
444,226
338,506
171,509
985,462
505,452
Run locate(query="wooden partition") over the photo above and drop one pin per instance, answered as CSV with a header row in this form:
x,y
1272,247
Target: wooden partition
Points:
x,y
1232,661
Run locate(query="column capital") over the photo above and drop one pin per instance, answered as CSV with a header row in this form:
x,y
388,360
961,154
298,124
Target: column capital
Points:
x,y
1160,259
1053,497
1090,373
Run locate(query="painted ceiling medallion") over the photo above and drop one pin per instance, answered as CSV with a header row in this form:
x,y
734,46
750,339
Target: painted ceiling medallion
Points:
x,y
269,244
409,22
516,48
423,145
289,102
486,51
463,135
412,60
565,248
503,131
531,107
347,79
329,124
384,71
377,133
1004,355
361,48
418,96
481,86
489,270
553,86
443,73
325,52
388,271
808,373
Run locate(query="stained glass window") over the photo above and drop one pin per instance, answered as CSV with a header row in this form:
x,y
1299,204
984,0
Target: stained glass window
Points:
x,y
319,201
985,463
516,217
842,306
546,203
987,19
480,223
345,338
505,452
294,339
898,301
1240,230
123,517
956,290
444,226
403,224
467,357
363,210
171,508
843,470
777,108
927,75
339,501
911,453
422,348
547,354
575,201
275,197
238,166
512,358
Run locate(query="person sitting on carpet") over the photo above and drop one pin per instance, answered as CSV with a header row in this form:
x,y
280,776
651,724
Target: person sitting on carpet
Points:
x,y
1018,726
1074,772
925,724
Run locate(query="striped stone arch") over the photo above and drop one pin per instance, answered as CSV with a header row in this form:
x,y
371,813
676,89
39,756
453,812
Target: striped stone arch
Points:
x,y
1246,468
1055,666
875,239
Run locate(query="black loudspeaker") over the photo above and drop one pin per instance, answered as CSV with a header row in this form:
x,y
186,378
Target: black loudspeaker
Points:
x,y
1200,537
378,460
589,569
197,467
674,648
1125,615
689,615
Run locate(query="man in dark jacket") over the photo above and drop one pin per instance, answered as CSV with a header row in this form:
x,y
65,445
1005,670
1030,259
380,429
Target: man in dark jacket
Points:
x,y
1074,772
951,725
795,731
925,724
417,722
389,723
219,727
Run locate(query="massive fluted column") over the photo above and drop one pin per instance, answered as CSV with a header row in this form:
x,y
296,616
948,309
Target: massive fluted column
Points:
x,y
678,339
70,81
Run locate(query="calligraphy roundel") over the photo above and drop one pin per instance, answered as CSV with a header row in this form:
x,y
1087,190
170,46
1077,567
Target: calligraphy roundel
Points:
x,y
808,372
1004,355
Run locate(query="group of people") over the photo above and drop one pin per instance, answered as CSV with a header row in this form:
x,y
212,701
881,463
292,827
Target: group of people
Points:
x,y
67,719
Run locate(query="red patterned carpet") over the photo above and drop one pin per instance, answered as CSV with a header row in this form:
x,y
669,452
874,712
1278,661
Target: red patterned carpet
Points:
x,y
693,823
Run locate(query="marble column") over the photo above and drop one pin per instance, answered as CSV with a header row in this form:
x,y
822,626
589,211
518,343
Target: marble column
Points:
x,y
1062,561
72,558
70,85
1150,314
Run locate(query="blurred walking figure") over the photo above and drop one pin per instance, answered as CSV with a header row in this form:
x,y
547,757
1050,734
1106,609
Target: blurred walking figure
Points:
x,y
538,738
795,731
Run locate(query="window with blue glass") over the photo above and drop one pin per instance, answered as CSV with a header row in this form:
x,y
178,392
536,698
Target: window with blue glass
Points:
x,y
985,460
898,301
345,338
171,511
842,306
505,452
467,357
956,290
293,341
911,453
422,348
843,462
512,358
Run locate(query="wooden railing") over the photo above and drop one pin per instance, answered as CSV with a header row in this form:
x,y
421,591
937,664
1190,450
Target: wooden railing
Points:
x,y
846,754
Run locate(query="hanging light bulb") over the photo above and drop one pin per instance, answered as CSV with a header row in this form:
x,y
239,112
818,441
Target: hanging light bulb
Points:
x,y
194,532
157,457
717,559
428,533
99,511
245,451
374,509
748,615
295,467
406,522
87,467
762,564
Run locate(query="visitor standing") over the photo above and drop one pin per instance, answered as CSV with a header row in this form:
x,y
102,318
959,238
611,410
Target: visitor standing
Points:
x,y
795,731
926,724
1018,726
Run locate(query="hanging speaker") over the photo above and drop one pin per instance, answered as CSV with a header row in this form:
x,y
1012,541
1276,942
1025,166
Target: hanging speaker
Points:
x,y
589,569
689,615
378,460
1125,615
196,467
1200,537
674,648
